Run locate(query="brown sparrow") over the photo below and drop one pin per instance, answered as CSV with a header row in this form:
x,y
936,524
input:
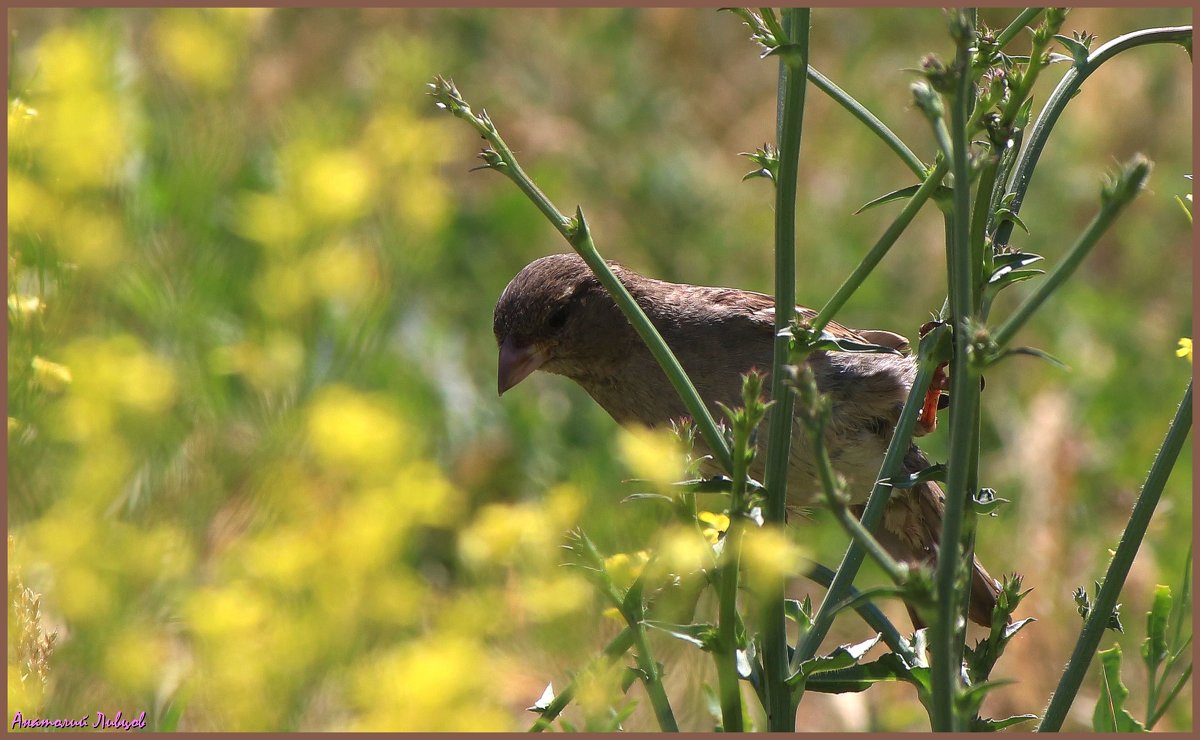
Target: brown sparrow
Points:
x,y
556,317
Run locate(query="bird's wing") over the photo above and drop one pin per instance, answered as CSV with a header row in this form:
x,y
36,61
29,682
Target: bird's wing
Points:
x,y
759,309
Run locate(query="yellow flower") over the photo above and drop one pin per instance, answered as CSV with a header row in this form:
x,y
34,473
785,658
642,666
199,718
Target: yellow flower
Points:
x,y
718,524
1185,349
768,557
682,550
338,185
624,568
652,454
194,49
356,433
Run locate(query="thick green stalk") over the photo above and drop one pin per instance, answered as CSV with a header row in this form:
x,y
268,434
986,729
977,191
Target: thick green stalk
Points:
x,y
1128,184
859,111
946,642
1118,569
1062,94
841,586
932,182
501,159
792,76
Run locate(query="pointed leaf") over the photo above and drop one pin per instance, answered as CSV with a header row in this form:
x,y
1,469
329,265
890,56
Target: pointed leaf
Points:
x,y
900,194
543,702
889,667
829,343
983,724
1079,52
986,502
843,656
1015,627
795,611
935,472
700,635
1016,259
714,484
647,497
996,282
1023,113
1006,214
1033,352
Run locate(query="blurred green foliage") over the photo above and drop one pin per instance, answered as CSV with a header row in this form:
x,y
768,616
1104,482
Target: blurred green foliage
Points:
x,y
257,469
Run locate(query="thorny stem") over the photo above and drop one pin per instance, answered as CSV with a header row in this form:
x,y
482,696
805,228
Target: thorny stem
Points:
x,y
1018,24
1062,94
870,120
1128,184
946,638
576,232
893,459
793,73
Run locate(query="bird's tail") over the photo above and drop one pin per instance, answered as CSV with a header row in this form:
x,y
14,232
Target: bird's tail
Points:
x,y
911,533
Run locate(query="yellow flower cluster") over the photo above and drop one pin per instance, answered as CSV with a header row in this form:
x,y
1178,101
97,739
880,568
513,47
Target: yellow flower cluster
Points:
x,y
200,521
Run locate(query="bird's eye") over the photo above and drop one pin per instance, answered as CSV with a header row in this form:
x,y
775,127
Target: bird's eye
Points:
x,y
558,319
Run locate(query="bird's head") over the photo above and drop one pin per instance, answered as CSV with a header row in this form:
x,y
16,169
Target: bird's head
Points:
x,y
549,318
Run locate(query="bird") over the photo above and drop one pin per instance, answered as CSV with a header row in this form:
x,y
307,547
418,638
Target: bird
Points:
x,y
554,316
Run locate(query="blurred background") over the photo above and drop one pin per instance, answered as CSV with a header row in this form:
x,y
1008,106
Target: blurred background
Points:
x,y
258,475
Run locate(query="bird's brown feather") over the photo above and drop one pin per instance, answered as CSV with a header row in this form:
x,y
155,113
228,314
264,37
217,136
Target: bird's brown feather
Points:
x,y
718,334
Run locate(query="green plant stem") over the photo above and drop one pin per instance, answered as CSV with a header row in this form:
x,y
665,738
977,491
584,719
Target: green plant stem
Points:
x,y
1029,77
632,609
1129,184
979,221
1062,94
946,642
1018,24
842,584
793,73
1170,697
870,614
579,237
1183,601
869,119
841,511
932,182
726,655
652,679
615,649
1118,569
815,414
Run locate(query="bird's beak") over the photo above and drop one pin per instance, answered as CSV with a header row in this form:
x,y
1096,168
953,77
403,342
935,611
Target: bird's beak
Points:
x,y
516,363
